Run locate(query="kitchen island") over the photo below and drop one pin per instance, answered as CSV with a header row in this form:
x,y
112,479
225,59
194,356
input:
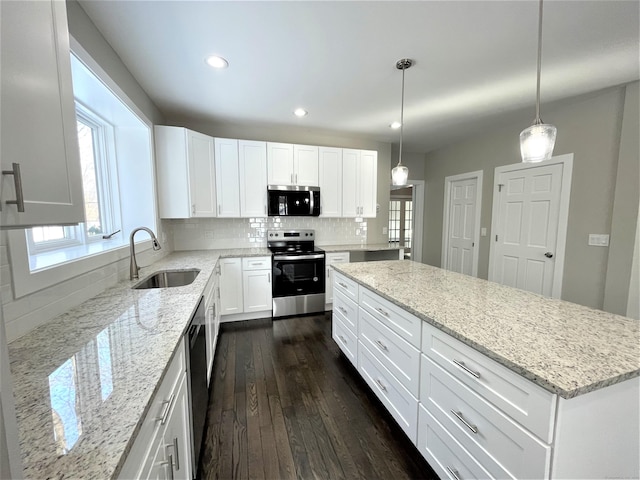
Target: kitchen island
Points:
x,y
582,366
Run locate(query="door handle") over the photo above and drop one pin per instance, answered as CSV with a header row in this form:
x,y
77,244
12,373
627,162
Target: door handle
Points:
x,y
548,255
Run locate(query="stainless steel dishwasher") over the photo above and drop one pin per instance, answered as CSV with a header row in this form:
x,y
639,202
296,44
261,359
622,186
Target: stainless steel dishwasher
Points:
x,y
197,374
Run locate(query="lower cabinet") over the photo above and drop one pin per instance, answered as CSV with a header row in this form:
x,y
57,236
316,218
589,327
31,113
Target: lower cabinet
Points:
x,y
162,449
245,287
332,258
212,309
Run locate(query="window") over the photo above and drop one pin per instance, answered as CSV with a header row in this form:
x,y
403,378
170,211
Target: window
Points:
x,y
115,142
401,222
95,140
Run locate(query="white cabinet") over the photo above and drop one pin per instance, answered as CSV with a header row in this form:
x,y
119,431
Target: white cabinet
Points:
x,y
256,284
38,116
253,178
162,448
344,324
231,300
212,312
333,258
186,174
330,182
227,177
359,182
292,164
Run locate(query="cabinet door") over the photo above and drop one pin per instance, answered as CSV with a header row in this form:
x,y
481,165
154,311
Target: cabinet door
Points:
x,y
177,435
332,259
210,306
253,178
368,183
305,165
257,290
227,177
230,286
201,175
330,182
280,163
350,199
38,116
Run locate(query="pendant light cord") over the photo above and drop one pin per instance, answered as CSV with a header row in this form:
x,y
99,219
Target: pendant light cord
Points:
x,y
538,121
401,117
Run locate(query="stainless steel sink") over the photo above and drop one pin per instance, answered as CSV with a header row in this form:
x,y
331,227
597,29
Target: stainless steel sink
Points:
x,y
168,278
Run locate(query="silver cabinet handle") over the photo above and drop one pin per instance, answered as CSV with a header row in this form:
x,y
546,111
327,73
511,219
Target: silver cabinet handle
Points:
x,y
265,209
175,450
382,312
343,285
343,310
193,209
17,181
165,410
461,364
269,277
219,209
459,416
168,464
296,178
381,385
291,177
382,345
342,338
454,473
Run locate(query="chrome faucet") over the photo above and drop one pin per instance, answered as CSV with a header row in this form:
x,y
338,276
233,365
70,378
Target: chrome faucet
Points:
x,y
133,266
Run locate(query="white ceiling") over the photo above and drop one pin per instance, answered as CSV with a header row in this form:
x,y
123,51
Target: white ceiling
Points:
x,y
474,60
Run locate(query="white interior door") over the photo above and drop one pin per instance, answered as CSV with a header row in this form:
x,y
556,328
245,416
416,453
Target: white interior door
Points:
x,y
529,226
461,228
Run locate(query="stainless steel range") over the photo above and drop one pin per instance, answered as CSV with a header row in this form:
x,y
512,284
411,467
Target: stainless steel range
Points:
x,y
298,272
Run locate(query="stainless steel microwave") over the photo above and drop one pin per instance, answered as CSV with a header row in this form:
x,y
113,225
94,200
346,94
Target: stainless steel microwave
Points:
x,y
293,200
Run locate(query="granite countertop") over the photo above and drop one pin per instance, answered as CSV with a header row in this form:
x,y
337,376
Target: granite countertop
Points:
x,y
365,247
84,381
565,348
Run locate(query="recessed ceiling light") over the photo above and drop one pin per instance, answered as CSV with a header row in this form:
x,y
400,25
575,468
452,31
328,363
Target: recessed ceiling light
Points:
x,y
217,62
300,112
395,125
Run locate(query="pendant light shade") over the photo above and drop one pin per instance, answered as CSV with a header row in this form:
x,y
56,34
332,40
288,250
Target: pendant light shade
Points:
x,y
537,141
400,173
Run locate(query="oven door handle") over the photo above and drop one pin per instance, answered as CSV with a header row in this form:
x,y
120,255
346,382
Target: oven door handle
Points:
x,y
298,257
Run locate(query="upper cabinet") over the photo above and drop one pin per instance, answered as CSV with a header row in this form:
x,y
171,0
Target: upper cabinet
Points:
x,y
292,164
38,118
227,177
359,183
186,175
253,178
330,182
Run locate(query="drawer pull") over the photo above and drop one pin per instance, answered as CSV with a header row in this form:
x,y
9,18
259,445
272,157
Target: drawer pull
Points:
x,y
165,411
381,385
342,310
453,472
466,369
459,416
382,345
382,312
343,285
344,340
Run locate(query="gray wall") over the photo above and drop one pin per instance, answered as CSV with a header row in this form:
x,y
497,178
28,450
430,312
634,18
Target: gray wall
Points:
x,y
589,126
273,133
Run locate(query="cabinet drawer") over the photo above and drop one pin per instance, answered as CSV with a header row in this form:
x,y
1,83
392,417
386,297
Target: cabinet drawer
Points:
x,y
396,398
501,446
395,353
345,339
335,258
528,404
347,310
443,452
346,286
256,263
404,324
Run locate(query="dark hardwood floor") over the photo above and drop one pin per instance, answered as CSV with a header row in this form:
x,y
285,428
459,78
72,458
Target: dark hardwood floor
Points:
x,y
286,404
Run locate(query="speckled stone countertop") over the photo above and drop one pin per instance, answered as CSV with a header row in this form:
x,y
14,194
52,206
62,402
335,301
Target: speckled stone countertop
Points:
x,y
84,381
365,247
565,348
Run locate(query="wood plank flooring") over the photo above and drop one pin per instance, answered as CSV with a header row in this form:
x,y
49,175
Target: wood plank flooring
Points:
x,y
285,404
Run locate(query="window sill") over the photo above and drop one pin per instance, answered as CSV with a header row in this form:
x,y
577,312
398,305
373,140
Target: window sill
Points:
x,y
54,258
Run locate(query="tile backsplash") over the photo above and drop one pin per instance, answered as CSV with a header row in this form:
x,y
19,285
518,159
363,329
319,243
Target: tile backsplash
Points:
x,y
210,233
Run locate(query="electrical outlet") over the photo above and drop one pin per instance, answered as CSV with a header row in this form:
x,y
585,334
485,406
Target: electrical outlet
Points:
x,y
208,235
483,232
599,239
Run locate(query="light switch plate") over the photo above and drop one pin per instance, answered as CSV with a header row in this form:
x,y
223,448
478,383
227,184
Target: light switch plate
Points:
x,y
599,239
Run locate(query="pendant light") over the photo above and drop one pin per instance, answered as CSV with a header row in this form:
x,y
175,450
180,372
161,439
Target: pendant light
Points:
x,y
400,173
537,141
